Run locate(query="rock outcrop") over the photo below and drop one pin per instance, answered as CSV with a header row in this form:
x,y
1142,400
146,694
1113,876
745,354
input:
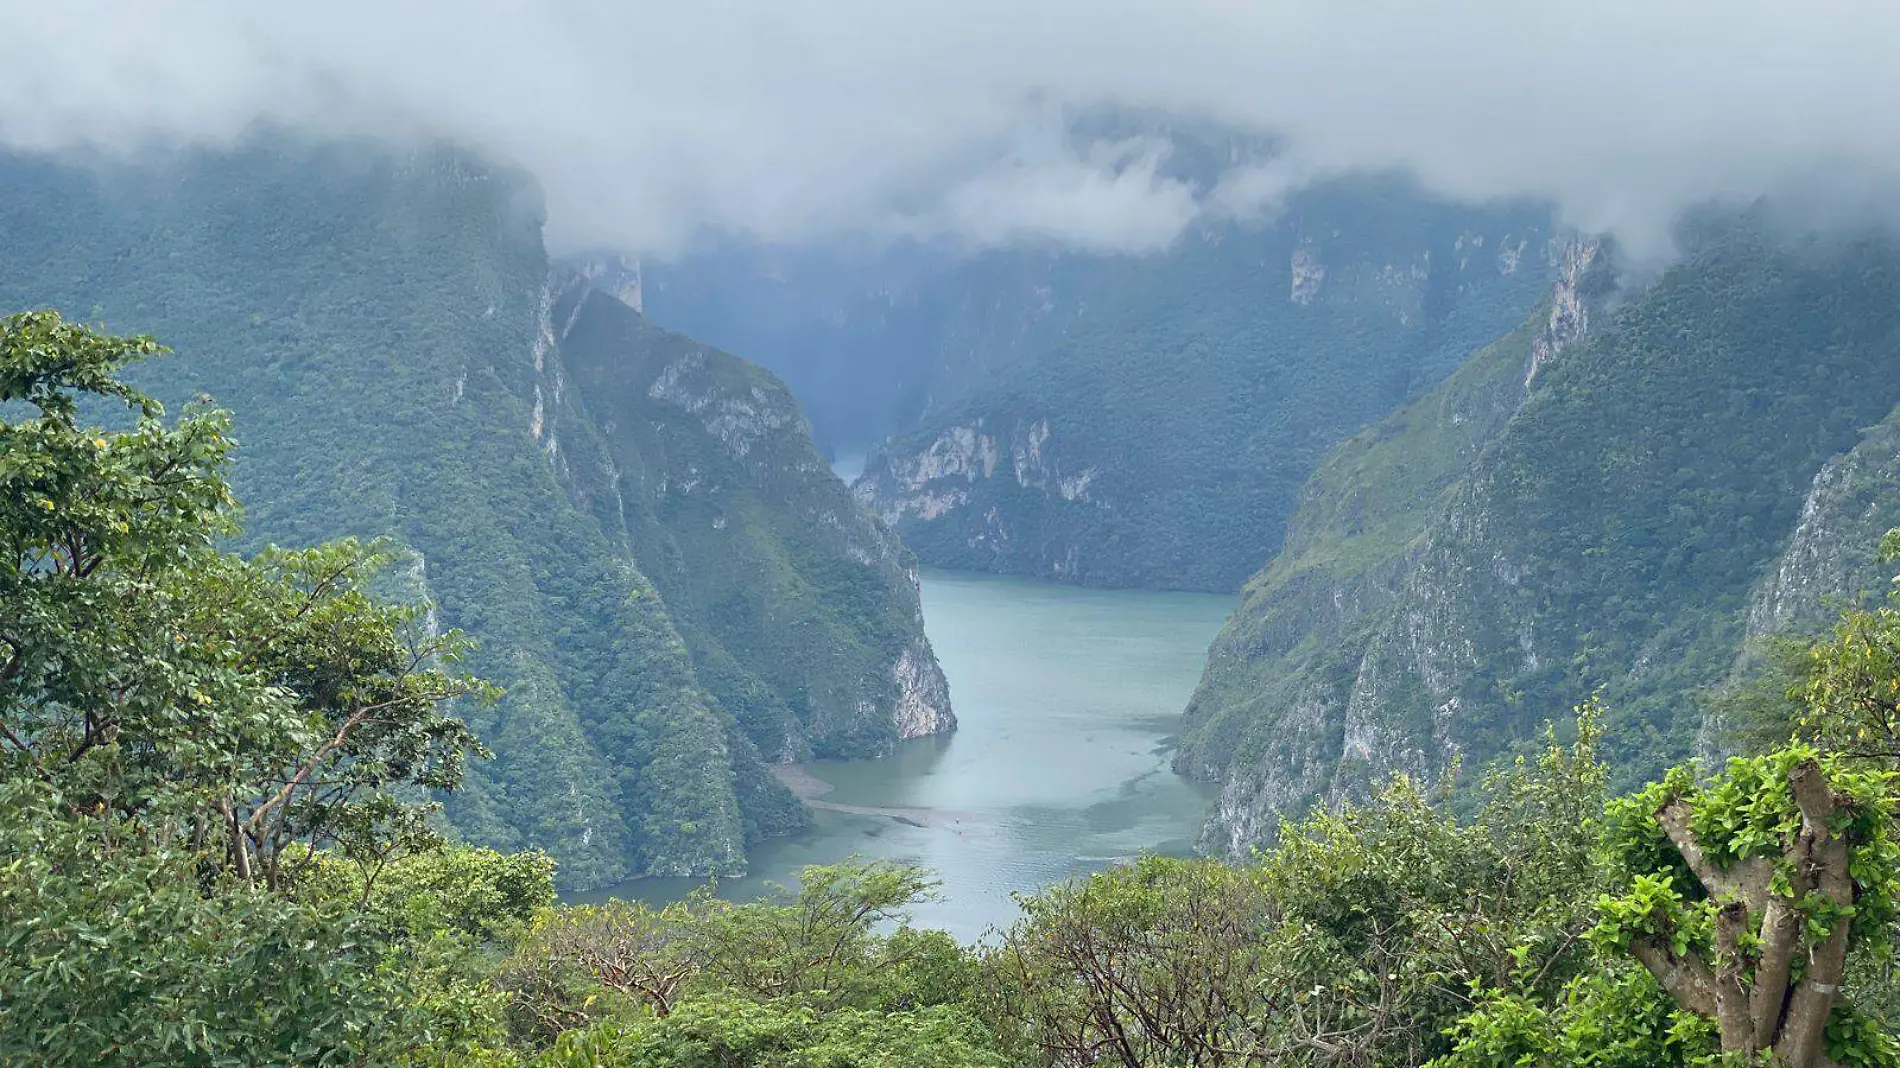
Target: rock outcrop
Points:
x,y
1584,279
1620,499
665,579
1156,416
800,606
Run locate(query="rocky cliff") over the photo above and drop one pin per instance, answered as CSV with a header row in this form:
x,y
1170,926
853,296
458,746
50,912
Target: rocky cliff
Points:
x,y
1607,498
1156,419
800,607
1831,559
636,528
1831,562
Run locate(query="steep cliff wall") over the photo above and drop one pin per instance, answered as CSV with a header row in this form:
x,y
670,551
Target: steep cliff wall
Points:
x,y
383,329
1507,547
801,608
1157,431
1829,563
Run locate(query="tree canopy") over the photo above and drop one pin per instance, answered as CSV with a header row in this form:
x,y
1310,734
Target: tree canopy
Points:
x,y
218,785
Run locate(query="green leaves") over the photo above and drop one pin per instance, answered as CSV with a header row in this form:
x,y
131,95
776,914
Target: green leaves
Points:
x,y
114,951
1360,938
151,674
184,733
1653,907
1850,684
1613,1017
727,1031
1742,897
812,977
46,361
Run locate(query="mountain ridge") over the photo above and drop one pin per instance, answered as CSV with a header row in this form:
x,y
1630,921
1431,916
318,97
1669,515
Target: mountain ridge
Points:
x,y
1630,490
1203,383
381,324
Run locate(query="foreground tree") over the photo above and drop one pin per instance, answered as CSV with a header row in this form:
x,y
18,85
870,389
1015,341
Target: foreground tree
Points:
x,y
726,1030
1846,692
184,736
1357,941
1742,903
1745,895
811,977
259,707
112,952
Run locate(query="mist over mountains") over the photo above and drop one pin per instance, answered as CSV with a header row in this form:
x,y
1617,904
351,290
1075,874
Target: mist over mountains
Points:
x,y
1102,286
651,124
1516,386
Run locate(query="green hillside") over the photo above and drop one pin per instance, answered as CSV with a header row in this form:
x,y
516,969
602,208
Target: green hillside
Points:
x,y
797,605
381,327
1492,553
1158,429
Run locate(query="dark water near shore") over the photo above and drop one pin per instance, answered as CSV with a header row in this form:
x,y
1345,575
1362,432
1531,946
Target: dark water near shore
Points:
x,y
1066,699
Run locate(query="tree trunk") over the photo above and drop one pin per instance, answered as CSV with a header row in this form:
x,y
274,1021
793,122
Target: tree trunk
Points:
x,y
1764,1014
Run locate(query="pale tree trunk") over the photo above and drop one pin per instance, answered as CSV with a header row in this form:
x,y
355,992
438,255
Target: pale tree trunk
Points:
x,y
1765,1015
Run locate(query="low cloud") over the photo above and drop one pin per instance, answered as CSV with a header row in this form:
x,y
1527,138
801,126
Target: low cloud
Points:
x,y
1111,197
804,119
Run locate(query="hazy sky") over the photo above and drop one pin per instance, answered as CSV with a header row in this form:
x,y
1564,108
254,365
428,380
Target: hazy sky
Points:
x,y
796,119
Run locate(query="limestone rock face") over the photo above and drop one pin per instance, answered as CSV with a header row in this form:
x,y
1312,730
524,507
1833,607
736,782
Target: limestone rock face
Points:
x,y
1626,494
618,276
661,573
1584,278
1148,421
802,606
923,695
1830,562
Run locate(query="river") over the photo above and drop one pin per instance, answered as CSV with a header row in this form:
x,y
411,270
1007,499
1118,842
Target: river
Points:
x,y
1065,700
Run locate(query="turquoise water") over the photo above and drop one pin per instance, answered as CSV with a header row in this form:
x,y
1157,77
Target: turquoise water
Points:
x,y
1065,699
848,466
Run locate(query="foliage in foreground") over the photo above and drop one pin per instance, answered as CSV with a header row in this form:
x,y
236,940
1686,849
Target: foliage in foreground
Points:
x,y
1356,940
1552,929
214,774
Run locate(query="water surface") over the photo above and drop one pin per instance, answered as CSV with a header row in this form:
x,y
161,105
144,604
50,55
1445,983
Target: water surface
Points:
x,y
1066,699
849,465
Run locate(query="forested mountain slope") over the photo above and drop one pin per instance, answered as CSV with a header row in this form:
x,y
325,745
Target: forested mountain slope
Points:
x,y
383,329
211,802
782,584
1626,507
878,330
1152,417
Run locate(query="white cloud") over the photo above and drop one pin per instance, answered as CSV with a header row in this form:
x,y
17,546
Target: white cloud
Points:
x,y
1110,197
800,118
1250,191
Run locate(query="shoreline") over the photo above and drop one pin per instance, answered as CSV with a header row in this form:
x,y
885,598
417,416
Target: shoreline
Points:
x,y
811,790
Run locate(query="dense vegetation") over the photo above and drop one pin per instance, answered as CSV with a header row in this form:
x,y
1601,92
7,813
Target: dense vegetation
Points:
x,y
1208,382
216,774
1201,382
779,583
382,326
1633,519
